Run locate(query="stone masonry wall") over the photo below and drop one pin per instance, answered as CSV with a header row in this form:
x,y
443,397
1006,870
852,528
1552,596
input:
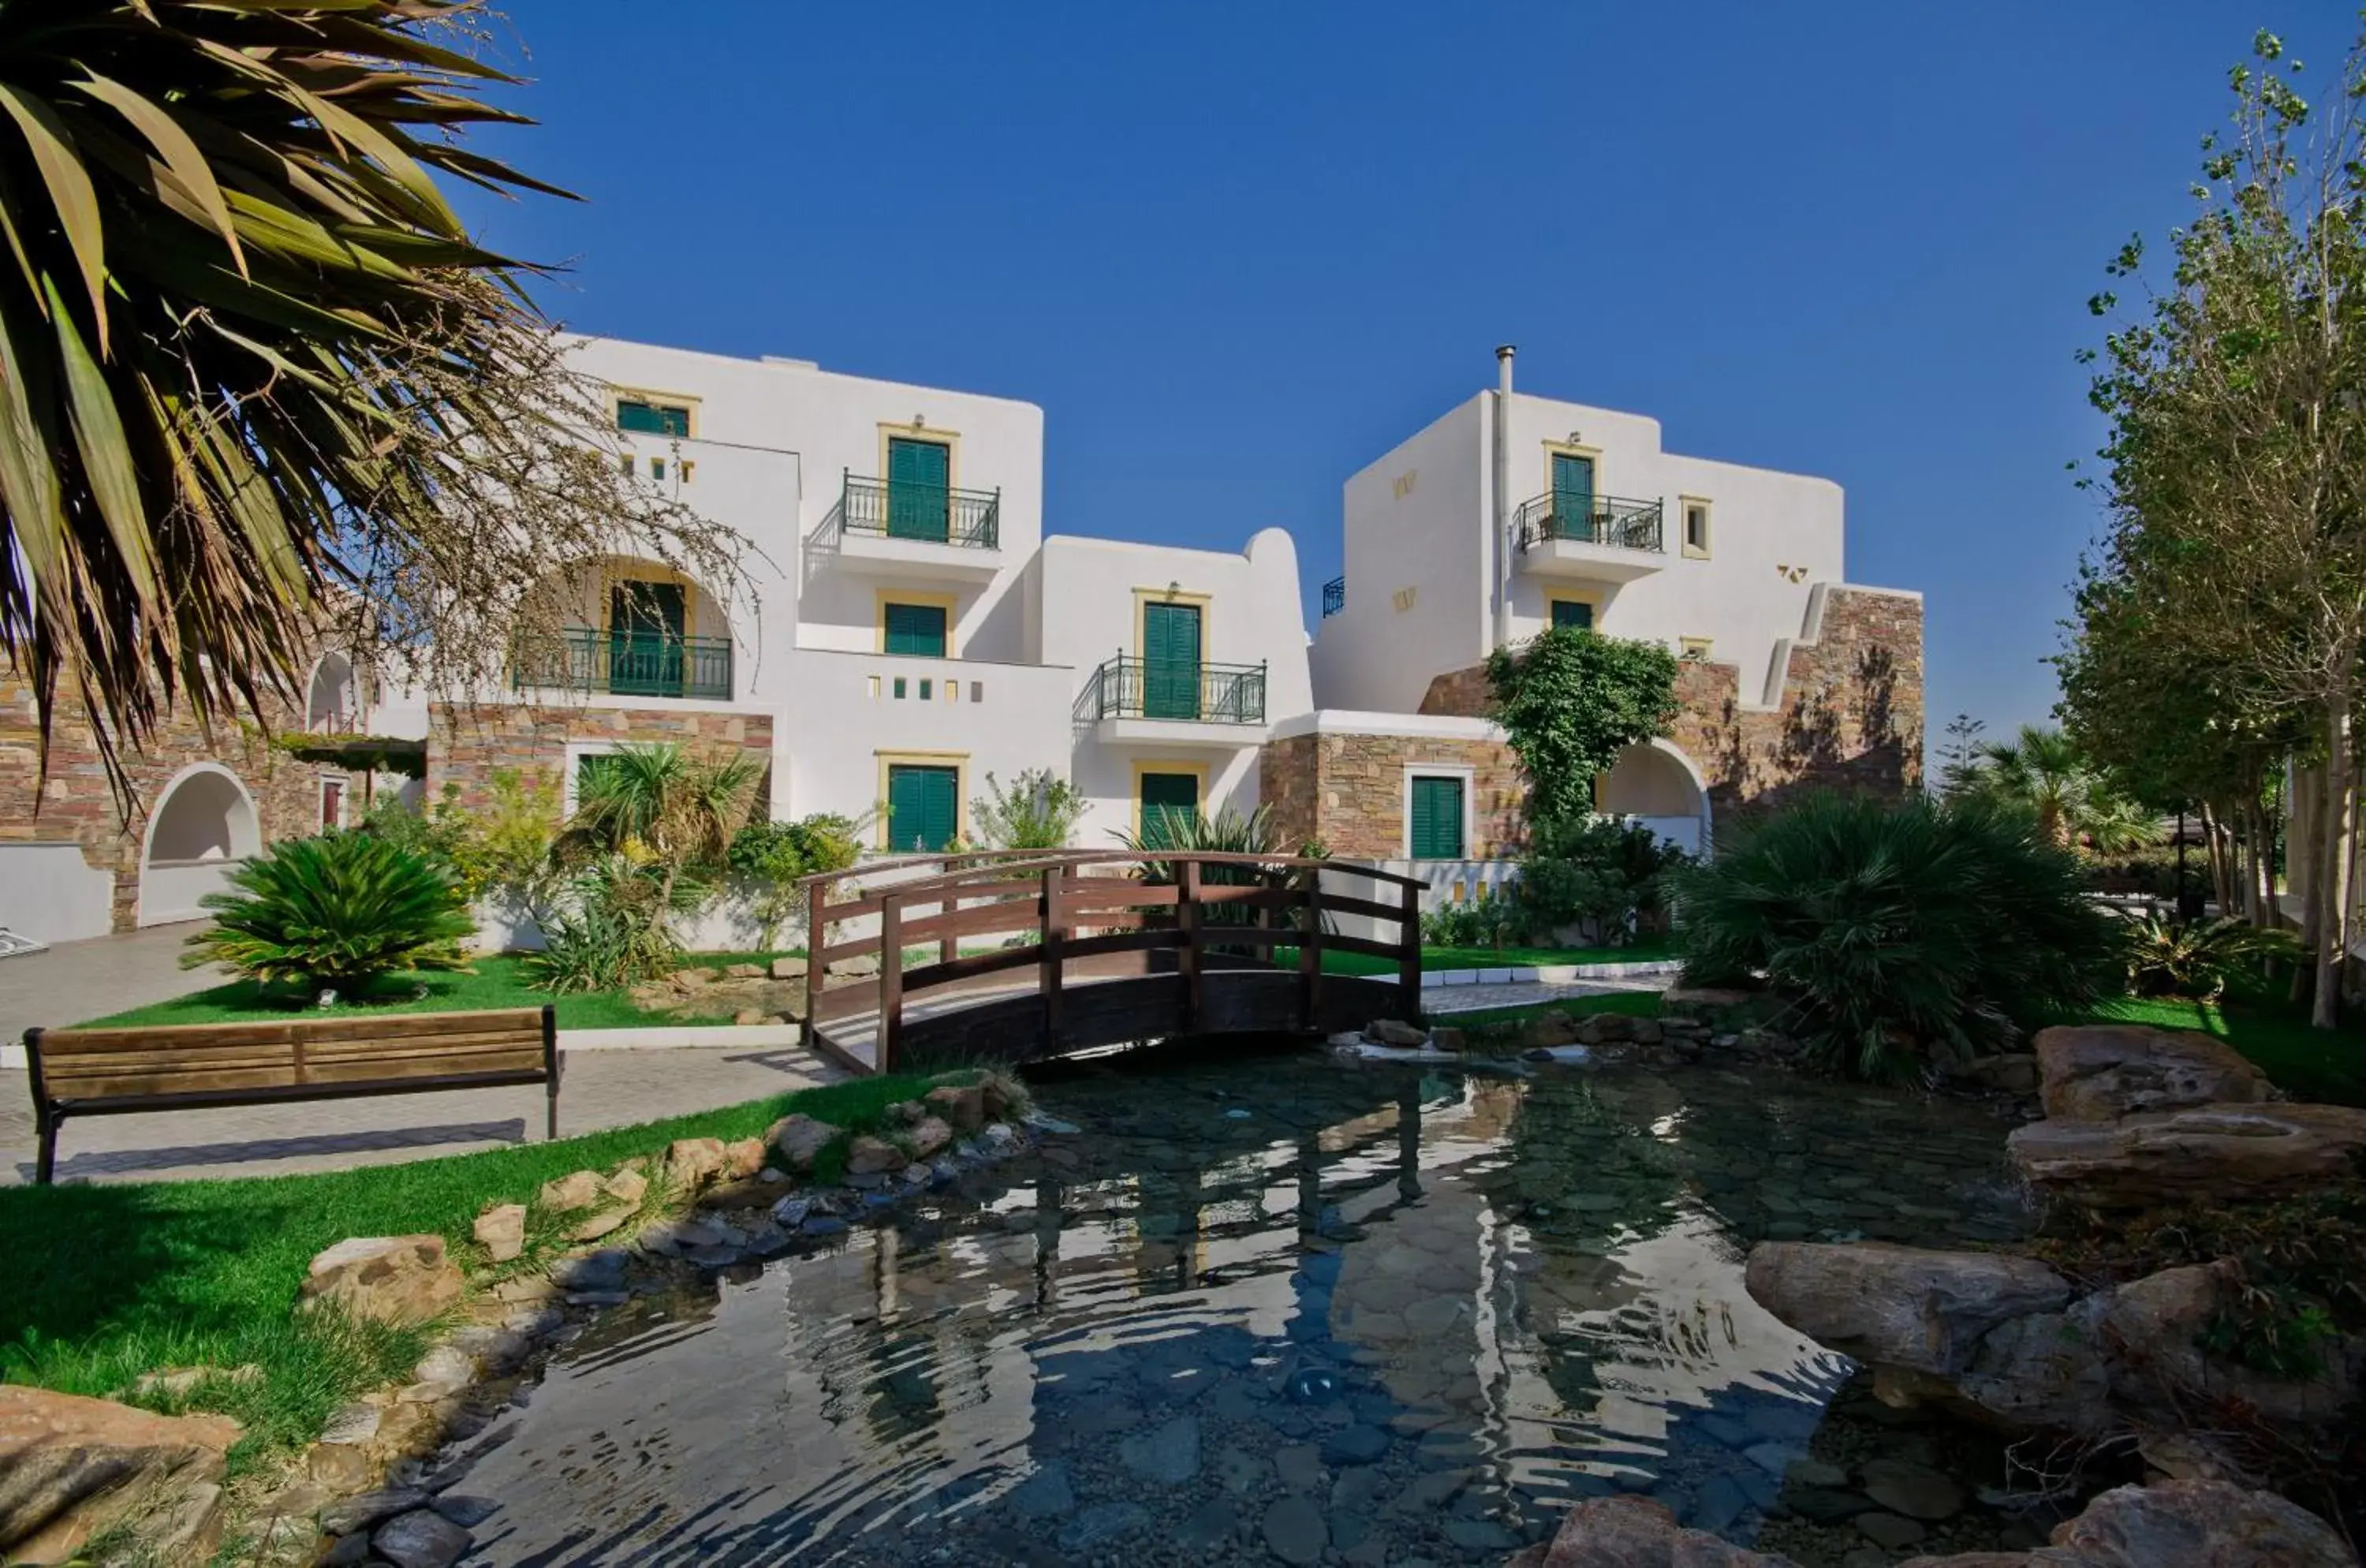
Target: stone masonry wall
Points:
x,y
467,745
78,804
1348,791
1851,717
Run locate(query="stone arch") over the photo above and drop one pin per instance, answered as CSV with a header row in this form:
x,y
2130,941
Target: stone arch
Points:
x,y
1658,783
333,700
204,825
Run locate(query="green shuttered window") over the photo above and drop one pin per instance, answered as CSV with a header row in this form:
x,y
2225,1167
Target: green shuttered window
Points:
x,y
1435,832
1169,801
1572,613
917,629
639,417
919,489
923,808
1170,661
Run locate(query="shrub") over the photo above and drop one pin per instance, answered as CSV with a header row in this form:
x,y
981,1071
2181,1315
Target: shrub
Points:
x,y
1486,920
1039,811
1603,877
774,855
2196,958
1570,701
336,911
1899,935
611,929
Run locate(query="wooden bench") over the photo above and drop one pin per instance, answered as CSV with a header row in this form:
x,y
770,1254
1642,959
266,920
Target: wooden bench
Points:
x,y
109,1072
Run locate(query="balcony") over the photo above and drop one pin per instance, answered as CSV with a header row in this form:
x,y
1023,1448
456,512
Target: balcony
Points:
x,y
927,532
1205,705
1598,538
627,664
1335,597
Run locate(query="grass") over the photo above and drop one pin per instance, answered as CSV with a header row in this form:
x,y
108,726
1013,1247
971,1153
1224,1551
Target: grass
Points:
x,y
1434,959
2305,1063
498,982
110,1282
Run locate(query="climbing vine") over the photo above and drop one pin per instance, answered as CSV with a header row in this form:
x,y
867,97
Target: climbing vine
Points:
x,y
1570,701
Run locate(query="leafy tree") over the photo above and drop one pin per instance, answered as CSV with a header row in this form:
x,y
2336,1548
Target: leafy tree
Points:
x,y
1607,877
336,911
257,382
775,855
1959,756
1039,811
1570,700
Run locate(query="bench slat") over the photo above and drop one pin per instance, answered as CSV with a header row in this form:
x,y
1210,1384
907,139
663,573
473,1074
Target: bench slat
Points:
x,y
59,1043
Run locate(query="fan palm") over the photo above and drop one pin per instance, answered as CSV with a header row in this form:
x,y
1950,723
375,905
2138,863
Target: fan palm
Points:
x,y
254,371
661,805
2045,771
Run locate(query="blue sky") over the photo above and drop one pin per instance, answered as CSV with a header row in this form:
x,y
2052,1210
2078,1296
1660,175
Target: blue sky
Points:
x,y
1236,251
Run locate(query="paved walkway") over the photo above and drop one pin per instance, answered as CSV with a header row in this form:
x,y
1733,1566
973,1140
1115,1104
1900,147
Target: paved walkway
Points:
x,y
74,982
601,1089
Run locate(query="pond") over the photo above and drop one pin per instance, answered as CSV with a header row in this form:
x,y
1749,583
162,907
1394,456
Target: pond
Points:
x,y
1266,1307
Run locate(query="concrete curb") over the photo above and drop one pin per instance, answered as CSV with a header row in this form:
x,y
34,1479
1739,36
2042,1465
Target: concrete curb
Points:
x,y
1550,974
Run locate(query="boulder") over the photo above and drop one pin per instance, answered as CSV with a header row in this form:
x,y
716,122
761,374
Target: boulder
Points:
x,y
1547,1031
788,968
2214,1151
749,1018
2150,1332
963,1107
801,1139
627,1187
693,1165
742,1159
2013,1073
421,1539
861,966
930,1138
576,1189
692,978
2045,1371
73,1468
870,1156
746,971
1899,1305
1396,1031
2103,1072
2208,1524
501,1231
1639,1532
397,1279
1700,1001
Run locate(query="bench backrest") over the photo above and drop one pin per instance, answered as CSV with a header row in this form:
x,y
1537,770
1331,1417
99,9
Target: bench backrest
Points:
x,y
284,1059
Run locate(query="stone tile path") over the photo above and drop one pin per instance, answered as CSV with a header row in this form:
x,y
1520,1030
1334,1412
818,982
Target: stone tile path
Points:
x,y
601,1089
1440,1001
76,981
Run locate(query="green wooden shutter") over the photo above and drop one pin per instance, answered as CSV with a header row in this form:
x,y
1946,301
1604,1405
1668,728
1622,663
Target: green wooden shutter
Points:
x,y
1572,613
1170,661
917,629
1169,801
1436,827
919,489
923,808
646,621
642,418
1572,481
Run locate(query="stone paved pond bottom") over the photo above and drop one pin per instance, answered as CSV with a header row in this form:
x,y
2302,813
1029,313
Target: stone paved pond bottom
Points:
x,y
1274,1307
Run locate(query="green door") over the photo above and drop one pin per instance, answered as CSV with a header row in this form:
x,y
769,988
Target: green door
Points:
x,y
646,621
919,489
917,629
923,808
1573,483
1435,830
1170,661
1572,613
1170,803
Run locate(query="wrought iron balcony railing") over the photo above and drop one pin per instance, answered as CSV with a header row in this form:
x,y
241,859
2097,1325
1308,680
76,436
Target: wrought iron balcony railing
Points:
x,y
933,514
627,664
1590,520
1335,597
1212,693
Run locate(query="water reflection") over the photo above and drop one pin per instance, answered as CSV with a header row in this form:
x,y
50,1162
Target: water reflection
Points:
x,y
1261,1309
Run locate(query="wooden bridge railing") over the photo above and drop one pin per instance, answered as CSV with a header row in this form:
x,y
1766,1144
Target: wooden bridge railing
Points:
x,y
1080,906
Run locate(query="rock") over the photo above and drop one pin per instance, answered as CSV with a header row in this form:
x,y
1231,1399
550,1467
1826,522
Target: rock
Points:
x,y
1890,1530
863,966
1396,1031
1645,1031
746,971
1547,1031
73,1468
1295,1530
1914,1490
788,969
599,1225
627,1187
2014,1073
501,1231
576,1189
905,1112
1899,1305
1445,1039
2100,1072
401,1281
359,1513
743,1159
872,1156
1355,1445
2220,1153
693,1165
1103,1523
929,1136
2042,1371
421,1538
1168,1454
692,978
465,1511
1697,1000
179,1382
2210,1524
749,1017
601,1270
801,1139
1640,1533
2150,1329
962,1108
447,1366
1046,1494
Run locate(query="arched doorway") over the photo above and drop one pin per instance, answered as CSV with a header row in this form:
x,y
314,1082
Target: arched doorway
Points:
x,y
334,706
203,825
1657,785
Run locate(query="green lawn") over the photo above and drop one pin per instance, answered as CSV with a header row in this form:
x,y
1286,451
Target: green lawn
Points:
x,y
2305,1063
109,1281
1651,950
1634,1004
498,982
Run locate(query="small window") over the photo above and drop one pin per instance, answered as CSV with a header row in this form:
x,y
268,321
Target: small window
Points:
x,y
625,464
1694,648
927,690
657,469
1574,612
900,688
1435,830
874,688
332,804
1696,529
913,629
977,691
639,416
688,471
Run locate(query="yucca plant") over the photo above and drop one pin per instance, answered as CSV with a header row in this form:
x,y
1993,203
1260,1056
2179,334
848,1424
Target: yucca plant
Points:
x,y
255,376
2196,958
1900,936
337,911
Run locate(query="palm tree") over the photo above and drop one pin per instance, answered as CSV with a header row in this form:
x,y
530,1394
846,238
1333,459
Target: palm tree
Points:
x,y
2044,770
662,808
254,371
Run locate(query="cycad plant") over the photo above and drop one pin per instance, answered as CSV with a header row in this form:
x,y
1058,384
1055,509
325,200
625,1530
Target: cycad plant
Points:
x,y
1901,936
2196,958
337,911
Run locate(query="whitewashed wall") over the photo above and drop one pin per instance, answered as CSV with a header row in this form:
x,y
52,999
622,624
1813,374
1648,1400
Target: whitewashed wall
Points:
x,y
49,893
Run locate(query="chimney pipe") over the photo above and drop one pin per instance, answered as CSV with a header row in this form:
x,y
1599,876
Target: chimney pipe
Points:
x,y
1503,487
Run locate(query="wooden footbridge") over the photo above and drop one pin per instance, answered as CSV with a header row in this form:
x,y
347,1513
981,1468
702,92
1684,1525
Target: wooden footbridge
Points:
x,y
1024,955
